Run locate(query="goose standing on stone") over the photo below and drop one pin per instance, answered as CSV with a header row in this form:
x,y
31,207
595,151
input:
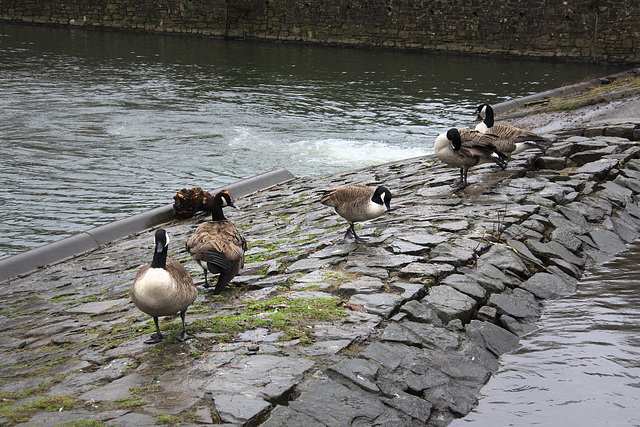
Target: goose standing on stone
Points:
x,y
218,246
163,288
357,203
466,148
513,140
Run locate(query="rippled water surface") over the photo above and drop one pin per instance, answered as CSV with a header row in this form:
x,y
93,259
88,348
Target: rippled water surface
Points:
x,y
96,126
582,367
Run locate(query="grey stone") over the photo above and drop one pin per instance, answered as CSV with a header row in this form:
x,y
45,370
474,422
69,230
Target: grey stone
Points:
x,y
465,284
588,156
118,389
505,259
566,238
409,290
550,162
599,168
362,285
494,338
426,272
285,416
515,327
450,303
420,334
457,398
519,304
417,408
445,252
402,247
625,226
616,194
545,286
307,264
99,306
607,241
360,372
348,407
74,384
253,376
419,312
423,239
239,409
382,304
454,226
338,250
487,313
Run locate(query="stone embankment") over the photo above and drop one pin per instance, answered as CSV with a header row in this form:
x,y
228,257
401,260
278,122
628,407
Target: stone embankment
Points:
x,y
403,330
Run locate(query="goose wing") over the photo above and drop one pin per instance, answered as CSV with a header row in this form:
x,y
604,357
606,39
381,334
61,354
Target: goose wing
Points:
x,y
219,243
514,134
346,194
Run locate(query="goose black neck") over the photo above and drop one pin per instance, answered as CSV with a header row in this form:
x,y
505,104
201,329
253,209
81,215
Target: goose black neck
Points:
x,y
216,210
160,257
489,119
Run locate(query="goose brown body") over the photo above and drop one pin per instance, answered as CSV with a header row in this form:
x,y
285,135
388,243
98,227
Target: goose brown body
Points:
x,y
465,148
158,293
512,140
357,203
218,246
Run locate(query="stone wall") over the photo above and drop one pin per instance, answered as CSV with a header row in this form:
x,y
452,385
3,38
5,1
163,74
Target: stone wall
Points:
x,y
591,30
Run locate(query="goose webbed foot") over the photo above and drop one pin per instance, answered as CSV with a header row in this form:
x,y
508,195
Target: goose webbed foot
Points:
x,y
184,335
157,337
351,232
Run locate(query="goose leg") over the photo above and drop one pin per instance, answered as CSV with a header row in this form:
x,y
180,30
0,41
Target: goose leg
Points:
x,y
206,283
355,236
158,335
184,335
463,180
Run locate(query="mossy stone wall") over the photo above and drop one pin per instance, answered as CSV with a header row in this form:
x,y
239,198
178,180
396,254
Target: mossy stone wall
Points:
x,y
585,30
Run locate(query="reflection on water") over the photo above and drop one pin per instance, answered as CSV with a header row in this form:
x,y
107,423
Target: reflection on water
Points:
x,y
96,126
582,367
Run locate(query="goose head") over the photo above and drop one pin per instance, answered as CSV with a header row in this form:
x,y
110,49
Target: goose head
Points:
x,y
453,135
221,200
382,196
485,113
161,244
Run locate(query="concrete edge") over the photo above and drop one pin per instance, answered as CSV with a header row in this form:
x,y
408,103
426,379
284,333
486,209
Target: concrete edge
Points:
x,y
573,89
60,250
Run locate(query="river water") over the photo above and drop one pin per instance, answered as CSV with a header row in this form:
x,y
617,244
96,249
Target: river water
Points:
x,y
582,366
96,126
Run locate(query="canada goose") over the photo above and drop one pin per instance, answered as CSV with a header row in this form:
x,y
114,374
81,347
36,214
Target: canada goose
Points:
x,y
218,246
466,148
513,140
357,203
163,288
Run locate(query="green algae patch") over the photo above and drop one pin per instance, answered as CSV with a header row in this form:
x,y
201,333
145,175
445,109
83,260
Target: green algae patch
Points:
x,y
294,317
45,404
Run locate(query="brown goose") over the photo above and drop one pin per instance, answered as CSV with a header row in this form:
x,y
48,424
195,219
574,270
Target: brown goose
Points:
x,y
513,140
163,288
218,246
357,203
466,148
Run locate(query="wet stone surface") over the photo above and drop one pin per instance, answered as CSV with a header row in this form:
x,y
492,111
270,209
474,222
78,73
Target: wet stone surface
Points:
x,y
402,330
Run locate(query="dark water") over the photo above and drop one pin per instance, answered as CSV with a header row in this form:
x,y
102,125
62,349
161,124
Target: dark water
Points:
x,y
582,367
96,126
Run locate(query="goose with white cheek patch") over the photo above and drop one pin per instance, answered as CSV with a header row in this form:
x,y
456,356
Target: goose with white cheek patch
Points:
x,y
218,246
357,203
513,140
466,148
163,288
